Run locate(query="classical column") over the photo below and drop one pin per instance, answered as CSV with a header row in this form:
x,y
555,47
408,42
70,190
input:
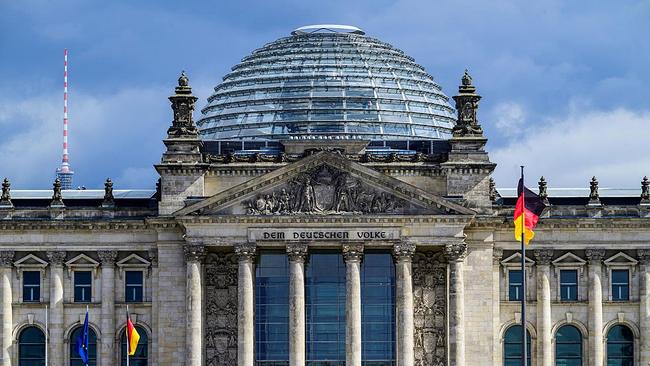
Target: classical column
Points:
x,y
595,257
6,260
57,352
497,254
107,350
543,259
297,254
403,252
456,254
644,306
194,256
246,304
153,258
352,253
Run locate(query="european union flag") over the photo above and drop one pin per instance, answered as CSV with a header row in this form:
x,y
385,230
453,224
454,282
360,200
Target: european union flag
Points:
x,y
82,342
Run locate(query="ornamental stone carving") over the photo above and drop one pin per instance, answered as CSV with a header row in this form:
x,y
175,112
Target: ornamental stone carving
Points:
x,y
5,198
221,309
593,189
107,257
467,124
153,257
595,254
245,251
644,256
56,258
353,252
645,190
456,252
183,106
57,198
497,254
430,309
324,190
404,250
109,200
297,252
543,256
543,193
194,253
6,258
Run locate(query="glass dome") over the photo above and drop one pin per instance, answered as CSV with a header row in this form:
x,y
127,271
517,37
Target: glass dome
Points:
x,y
327,82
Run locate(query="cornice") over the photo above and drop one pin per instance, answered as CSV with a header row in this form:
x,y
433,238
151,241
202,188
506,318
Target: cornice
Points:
x,y
461,220
503,223
44,224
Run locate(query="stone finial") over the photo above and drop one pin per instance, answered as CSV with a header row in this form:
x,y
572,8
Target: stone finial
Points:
x,y
595,255
467,124
194,252
593,190
353,252
109,200
245,251
56,258
107,257
57,198
456,252
644,256
543,194
404,249
297,252
645,190
5,198
183,107
492,190
6,258
497,254
543,256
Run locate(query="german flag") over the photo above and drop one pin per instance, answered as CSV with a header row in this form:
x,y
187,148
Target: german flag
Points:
x,y
132,336
529,207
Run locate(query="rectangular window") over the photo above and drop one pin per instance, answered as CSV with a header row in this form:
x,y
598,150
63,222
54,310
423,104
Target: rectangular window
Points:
x,y
377,309
515,285
272,309
31,286
569,285
82,286
620,285
133,286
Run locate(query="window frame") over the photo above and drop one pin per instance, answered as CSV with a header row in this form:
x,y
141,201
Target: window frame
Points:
x,y
633,341
570,261
622,261
142,286
581,343
576,285
509,284
39,286
74,287
19,343
514,262
29,263
612,284
72,345
141,331
134,262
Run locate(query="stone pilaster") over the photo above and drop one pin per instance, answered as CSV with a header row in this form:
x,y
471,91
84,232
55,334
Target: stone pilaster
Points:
x,y
644,306
6,261
456,254
107,351
497,254
595,257
543,259
297,254
246,304
353,253
56,319
403,253
194,257
153,258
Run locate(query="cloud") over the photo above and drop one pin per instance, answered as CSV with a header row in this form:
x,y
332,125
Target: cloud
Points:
x,y
612,145
509,118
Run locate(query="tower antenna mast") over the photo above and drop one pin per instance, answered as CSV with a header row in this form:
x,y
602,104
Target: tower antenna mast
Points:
x,y
64,173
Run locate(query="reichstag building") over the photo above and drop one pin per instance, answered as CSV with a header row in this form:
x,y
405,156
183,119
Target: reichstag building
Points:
x,y
329,205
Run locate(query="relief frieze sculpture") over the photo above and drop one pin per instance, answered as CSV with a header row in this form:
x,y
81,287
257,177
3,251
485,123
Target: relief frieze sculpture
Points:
x,y
221,309
324,190
430,308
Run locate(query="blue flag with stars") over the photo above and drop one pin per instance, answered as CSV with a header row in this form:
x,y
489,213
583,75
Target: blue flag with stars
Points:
x,y
82,342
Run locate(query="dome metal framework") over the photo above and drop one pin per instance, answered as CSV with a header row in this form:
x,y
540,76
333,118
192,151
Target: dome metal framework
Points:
x,y
327,82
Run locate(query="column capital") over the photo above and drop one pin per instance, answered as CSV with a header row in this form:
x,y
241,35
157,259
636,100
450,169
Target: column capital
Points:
x,y
245,251
6,258
297,252
456,252
107,257
595,255
543,257
404,250
353,252
153,257
497,254
56,258
194,253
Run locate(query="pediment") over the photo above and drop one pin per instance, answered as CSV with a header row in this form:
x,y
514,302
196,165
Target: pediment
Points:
x,y
31,261
569,259
515,261
325,183
620,259
82,260
133,260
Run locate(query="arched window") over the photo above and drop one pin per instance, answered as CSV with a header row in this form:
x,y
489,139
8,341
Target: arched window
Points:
x,y
141,356
512,346
75,360
31,347
568,346
620,346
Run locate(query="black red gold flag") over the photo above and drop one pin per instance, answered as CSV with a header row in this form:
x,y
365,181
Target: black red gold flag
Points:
x,y
527,211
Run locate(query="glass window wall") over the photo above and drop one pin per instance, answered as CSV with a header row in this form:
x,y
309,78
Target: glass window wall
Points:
x,y
272,309
378,309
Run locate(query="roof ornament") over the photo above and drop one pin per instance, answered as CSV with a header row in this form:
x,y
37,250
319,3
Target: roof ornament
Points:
x,y
5,198
467,124
109,200
645,190
594,197
542,190
492,190
183,107
183,81
57,198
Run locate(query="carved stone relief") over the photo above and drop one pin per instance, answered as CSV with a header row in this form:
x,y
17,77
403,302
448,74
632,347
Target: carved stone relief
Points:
x,y
221,309
430,308
324,190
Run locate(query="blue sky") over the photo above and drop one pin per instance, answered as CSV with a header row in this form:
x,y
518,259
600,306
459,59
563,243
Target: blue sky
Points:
x,y
564,83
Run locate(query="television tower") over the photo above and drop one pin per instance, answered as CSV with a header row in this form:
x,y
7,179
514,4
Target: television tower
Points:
x,y
64,173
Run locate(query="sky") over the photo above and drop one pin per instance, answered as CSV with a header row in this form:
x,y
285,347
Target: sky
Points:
x,y
564,83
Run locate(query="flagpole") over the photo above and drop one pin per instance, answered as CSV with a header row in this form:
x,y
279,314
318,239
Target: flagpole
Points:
x,y
524,345
47,339
86,334
127,335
